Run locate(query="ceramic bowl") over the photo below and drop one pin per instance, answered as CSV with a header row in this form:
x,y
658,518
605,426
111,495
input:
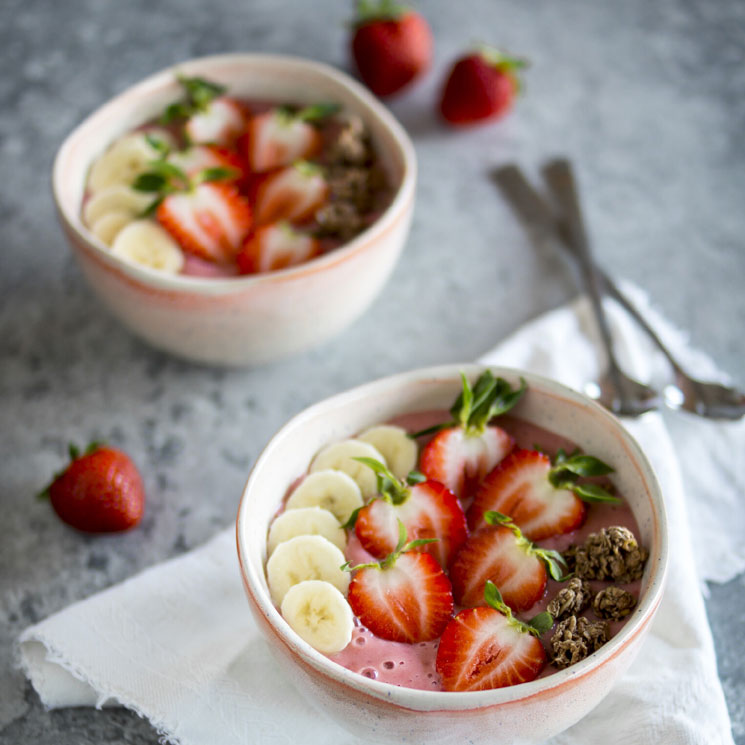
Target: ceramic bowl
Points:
x,y
530,712
253,319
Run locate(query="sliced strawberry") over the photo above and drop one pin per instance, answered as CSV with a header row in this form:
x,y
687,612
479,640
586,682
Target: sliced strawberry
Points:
x,y
279,137
466,448
210,220
427,510
293,193
276,246
461,460
542,499
486,647
501,554
218,122
199,158
404,598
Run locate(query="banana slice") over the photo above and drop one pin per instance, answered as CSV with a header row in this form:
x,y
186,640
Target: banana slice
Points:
x,y
107,227
340,456
125,160
145,243
115,199
334,491
306,521
305,557
398,449
319,614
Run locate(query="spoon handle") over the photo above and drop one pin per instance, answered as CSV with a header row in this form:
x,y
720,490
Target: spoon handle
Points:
x,y
534,211
559,177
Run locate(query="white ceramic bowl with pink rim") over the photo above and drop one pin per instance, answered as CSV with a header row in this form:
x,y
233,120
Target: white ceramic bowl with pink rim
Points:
x,y
529,712
248,320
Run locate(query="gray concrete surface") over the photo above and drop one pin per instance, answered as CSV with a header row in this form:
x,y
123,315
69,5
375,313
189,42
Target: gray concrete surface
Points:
x,y
648,99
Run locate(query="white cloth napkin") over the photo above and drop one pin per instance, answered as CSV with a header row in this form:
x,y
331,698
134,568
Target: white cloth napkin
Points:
x,y
177,644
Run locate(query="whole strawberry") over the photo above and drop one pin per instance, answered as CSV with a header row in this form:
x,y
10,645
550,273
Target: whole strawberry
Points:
x,y
481,86
100,491
391,45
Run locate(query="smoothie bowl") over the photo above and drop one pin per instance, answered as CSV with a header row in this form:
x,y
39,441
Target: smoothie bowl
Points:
x,y
239,208
495,572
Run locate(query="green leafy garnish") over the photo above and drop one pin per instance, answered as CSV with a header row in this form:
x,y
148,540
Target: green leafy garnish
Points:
x,y
567,469
476,407
199,94
391,489
164,178
536,626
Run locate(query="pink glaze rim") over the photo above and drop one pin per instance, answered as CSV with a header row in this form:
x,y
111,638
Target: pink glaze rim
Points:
x,y
424,701
157,282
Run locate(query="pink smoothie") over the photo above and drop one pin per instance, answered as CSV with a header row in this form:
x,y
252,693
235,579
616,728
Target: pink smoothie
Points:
x,y
413,665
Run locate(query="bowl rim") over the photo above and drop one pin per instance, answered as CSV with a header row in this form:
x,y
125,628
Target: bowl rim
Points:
x,y
425,700
404,194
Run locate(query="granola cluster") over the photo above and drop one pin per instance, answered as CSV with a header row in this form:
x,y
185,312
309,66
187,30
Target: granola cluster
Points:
x,y
354,180
612,554
613,603
576,638
573,598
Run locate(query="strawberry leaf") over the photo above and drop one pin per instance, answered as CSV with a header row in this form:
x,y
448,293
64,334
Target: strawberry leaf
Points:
x,y
216,174
415,477
201,91
149,182
594,493
316,112
493,598
152,208
542,622
383,10
349,524
554,561
160,146
173,112
586,465
389,487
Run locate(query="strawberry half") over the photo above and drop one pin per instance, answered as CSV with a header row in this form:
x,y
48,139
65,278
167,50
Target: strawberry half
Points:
x,y
276,246
210,220
427,510
501,554
465,449
279,137
404,598
486,647
208,116
543,499
293,193
219,122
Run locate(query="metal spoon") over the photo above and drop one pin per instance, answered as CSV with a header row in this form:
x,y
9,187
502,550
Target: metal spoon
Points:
x,y
708,399
615,390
